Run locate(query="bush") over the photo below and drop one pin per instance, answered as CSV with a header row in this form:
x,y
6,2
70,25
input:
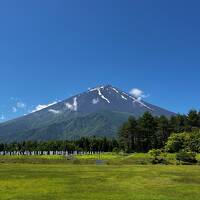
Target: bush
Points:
x,y
116,150
158,157
155,152
159,160
175,142
186,157
187,141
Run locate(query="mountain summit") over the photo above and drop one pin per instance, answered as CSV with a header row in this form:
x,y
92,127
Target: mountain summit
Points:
x,y
99,111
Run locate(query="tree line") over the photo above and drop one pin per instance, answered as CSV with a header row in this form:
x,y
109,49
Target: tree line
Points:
x,y
84,144
135,135
149,132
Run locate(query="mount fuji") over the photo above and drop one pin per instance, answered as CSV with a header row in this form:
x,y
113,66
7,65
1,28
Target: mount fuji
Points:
x,y
99,111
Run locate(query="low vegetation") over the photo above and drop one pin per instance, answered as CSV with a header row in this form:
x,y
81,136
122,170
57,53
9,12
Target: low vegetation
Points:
x,y
186,157
99,159
187,141
89,182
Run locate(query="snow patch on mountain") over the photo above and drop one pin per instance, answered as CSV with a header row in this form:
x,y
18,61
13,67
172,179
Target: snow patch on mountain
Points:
x,y
54,111
98,89
74,106
123,97
142,104
95,101
115,90
137,100
41,107
102,96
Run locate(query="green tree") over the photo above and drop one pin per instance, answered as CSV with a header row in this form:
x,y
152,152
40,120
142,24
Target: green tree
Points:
x,y
175,142
193,119
147,127
178,123
163,131
128,135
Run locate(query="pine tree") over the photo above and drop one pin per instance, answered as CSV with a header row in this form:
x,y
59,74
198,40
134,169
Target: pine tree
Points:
x,y
162,133
128,135
147,126
193,119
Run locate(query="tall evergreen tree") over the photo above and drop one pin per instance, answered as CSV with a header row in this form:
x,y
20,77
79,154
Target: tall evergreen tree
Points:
x,y
147,127
193,119
178,123
128,135
162,133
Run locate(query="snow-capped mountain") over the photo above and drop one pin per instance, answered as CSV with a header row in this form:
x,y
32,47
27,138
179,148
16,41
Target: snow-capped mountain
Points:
x,y
98,111
106,98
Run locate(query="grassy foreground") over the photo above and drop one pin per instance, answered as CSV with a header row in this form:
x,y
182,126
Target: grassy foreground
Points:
x,y
118,177
91,182
107,158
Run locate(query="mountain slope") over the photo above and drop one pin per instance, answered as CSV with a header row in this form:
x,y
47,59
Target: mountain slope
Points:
x,y
98,111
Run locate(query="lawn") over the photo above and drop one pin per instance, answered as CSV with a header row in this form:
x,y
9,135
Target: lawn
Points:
x,y
108,158
91,182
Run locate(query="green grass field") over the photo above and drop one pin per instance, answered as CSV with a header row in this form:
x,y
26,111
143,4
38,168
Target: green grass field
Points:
x,y
108,158
56,178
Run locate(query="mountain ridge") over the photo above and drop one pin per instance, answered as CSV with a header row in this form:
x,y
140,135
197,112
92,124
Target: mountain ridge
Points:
x,y
74,117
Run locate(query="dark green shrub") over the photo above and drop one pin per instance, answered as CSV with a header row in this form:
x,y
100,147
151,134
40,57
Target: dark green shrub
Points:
x,y
157,157
159,161
186,157
116,150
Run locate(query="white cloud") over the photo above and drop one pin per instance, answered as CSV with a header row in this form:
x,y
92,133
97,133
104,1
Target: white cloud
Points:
x,y
13,98
69,106
95,101
73,106
138,94
21,104
41,107
2,117
54,111
17,104
14,109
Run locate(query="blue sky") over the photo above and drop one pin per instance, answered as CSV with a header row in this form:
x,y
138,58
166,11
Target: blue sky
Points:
x,y
50,50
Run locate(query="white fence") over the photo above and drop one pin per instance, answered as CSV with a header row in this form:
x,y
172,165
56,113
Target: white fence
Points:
x,y
64,153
